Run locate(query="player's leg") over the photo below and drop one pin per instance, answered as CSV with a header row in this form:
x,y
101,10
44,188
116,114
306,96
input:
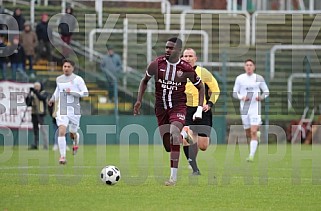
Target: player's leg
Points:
x,y
62,122
163,127
74,135
176,140
188,135
177,121
255,121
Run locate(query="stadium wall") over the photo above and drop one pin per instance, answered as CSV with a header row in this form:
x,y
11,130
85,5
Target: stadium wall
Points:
x,y
130,126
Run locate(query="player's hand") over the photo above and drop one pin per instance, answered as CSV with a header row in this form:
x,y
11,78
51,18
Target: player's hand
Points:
x,y
245,98
67,90
198,113
137,106
50,102
258,98
206,108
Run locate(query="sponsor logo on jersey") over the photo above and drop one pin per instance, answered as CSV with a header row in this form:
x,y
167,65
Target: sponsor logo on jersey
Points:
x,y
171,85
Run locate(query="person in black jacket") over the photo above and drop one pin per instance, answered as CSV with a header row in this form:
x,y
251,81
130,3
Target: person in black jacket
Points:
x,y
19,18
3,58
17,59
37,99
44,35
67,25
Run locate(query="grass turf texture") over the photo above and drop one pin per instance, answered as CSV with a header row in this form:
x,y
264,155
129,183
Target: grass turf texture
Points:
x,y
33,180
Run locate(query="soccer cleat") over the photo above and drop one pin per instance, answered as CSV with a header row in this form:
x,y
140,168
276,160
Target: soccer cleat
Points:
x,y
62,160
74,150
75,147
196,173
250,158
170,182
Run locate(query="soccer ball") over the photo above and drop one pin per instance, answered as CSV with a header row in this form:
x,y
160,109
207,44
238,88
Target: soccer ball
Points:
x,y
110,175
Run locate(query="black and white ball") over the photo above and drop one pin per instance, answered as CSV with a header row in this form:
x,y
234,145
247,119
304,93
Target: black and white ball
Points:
x,y
110,175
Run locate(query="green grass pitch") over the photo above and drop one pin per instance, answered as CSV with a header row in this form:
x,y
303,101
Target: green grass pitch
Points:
x,y
282,177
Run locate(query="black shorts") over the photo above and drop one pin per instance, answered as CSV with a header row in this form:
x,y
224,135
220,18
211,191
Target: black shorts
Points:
x,y
196,126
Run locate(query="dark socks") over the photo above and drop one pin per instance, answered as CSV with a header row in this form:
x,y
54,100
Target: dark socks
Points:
x,y
191,153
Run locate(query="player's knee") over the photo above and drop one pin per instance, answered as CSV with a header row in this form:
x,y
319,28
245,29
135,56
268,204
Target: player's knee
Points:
x,y
203,143
176,138
71,135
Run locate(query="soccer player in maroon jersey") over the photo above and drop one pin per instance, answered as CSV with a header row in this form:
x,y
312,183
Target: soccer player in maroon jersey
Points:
x,y
171,74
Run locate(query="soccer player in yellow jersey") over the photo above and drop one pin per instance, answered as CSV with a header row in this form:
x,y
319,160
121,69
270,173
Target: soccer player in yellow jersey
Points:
x,y
198,130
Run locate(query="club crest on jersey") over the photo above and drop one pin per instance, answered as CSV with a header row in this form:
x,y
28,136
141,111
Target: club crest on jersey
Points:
x,y
179,73
181,116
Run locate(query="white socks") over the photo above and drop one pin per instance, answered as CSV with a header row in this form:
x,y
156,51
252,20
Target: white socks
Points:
x,y
174,174
62,146
253,147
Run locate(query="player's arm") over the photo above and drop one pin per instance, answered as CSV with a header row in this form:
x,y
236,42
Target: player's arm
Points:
x,y
54,96
151,69
83,91
212,84
265,90
197,82
236,91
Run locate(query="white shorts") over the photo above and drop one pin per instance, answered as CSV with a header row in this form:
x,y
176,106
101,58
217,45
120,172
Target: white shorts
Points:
x,y
251,119
69,120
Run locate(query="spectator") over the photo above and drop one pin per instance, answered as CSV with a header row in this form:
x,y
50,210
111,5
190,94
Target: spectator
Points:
x,y
66,26
3,58
111,65
37,99
29,42
44,34
19,18
17,59
111,62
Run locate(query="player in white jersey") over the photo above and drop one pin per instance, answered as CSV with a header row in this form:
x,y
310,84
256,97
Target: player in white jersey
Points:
x,y
250,88
70,88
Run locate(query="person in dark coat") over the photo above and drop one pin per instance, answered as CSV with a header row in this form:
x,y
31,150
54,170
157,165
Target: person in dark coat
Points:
x,y
19,18
44,34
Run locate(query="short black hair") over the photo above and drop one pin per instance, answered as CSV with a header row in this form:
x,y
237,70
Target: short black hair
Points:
x,y
178,42
250,60
69,61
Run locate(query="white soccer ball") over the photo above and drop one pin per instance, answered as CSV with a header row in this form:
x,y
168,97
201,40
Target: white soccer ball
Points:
x,y
110,175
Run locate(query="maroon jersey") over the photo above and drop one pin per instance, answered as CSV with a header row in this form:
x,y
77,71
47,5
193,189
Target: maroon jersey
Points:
x,y
170,81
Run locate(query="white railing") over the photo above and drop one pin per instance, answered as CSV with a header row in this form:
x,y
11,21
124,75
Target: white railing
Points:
x,y
218,12
277,12
149,39
287,47
220,64
72,4
165,9
290,82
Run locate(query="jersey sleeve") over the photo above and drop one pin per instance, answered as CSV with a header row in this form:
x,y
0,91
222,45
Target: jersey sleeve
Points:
x,y
82,88
212,84
236,89
264,88
192,75
55,95
152,69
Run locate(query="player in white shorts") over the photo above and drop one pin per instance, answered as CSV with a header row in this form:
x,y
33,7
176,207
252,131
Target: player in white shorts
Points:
x,y
70,88
250,88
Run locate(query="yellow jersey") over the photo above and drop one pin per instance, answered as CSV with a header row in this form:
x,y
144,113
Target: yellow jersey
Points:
x,y
208,80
